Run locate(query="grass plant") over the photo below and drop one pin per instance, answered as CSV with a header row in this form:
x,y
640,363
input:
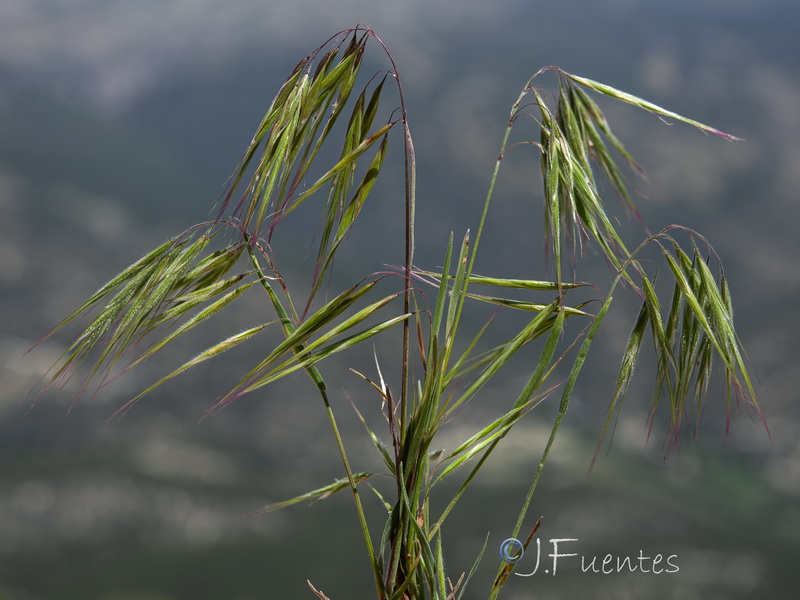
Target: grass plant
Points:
x,y
325,108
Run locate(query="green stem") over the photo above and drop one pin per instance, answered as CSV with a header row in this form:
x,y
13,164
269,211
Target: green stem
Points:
x,y
319,382
482,222
411,183
562,410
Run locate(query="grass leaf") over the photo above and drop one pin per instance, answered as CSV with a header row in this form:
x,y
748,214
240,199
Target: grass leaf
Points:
x,y
315,495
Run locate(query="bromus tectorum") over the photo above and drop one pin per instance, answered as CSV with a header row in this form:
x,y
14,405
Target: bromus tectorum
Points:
x,y
188,279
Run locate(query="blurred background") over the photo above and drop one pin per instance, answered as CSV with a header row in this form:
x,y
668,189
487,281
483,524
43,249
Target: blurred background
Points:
x,y
119,124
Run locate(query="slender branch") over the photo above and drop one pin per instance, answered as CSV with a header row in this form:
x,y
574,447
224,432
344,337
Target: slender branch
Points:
x,y
319,382
410,178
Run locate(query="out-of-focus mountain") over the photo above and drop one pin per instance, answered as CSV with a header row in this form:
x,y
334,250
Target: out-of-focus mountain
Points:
x,y
119,123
